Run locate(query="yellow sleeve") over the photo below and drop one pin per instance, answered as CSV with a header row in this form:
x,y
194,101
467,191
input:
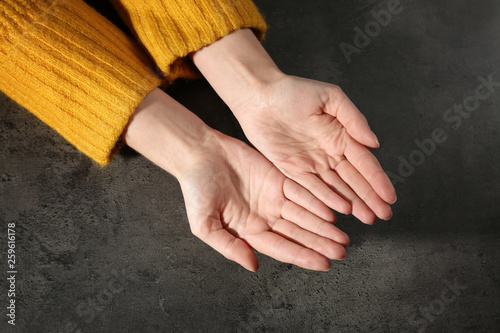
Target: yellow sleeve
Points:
x,y
74,70
171,29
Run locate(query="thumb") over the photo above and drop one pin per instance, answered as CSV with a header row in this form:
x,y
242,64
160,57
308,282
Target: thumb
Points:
x,y
225,243
341,107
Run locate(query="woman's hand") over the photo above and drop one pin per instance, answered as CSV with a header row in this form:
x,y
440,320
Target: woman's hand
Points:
x,y
308,129
313,133
236,200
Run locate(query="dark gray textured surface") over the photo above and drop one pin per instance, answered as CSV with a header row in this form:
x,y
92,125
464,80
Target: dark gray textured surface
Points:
x,y
109,250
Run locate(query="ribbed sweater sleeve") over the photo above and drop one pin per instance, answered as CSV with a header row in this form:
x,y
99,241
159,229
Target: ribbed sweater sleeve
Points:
x,y
171,29
74,70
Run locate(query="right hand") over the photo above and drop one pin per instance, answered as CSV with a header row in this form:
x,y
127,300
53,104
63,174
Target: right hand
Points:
x,y
237,201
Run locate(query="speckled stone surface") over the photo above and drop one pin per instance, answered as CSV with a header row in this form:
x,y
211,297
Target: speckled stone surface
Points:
x,y
109,250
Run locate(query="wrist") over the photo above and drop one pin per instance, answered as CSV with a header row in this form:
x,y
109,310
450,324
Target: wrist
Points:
x,y
237,67
166,132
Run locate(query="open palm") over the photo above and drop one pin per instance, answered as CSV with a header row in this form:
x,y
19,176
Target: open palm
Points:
x,y
237,201
315,135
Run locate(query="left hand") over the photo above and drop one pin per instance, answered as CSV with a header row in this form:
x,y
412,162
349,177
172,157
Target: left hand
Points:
x,y
309,130
315,135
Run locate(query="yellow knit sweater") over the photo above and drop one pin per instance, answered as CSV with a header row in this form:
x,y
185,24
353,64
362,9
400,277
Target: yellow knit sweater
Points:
x,y
82,76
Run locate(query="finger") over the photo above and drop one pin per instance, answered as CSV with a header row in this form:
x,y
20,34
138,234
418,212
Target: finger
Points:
x,y
359,208
304,198
321,245
351,118
325,194
281,249
367,164
307,221
363,189
226,244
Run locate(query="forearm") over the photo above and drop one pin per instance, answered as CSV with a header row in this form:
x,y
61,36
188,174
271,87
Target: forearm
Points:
x,y
236,66
166,132
74,70
170,30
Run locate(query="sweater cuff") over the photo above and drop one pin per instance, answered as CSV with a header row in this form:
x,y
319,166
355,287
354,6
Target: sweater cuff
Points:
x,y
75,71
172,29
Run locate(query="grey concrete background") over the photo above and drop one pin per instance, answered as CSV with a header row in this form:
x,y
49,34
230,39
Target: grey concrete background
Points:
x,y
109,250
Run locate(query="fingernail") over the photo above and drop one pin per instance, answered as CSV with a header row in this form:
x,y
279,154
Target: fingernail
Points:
x,y
376,139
